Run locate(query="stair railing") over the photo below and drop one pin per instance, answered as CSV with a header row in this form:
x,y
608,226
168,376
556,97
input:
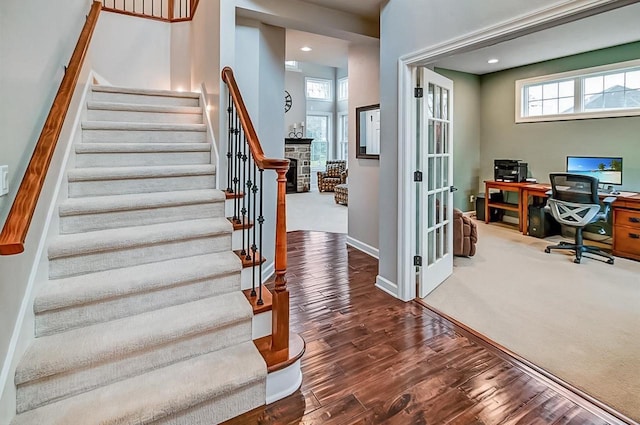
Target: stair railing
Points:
x,y
162,10
245,168
15,229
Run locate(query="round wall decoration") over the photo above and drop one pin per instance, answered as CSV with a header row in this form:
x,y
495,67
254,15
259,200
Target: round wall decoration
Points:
x,y
287,101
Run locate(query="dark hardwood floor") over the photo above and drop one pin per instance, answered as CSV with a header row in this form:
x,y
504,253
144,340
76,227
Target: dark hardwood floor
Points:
x,y
372,359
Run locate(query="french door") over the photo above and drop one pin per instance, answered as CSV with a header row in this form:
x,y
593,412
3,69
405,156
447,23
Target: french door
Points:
x,y
434,186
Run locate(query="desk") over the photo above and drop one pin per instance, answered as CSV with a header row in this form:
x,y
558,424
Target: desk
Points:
x,y
625,210
508,187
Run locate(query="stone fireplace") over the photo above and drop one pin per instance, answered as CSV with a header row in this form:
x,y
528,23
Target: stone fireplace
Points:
x,y
300,150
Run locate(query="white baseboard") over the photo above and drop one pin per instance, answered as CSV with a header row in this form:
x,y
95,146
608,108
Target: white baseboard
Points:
x,y
387,286
361,246
283,382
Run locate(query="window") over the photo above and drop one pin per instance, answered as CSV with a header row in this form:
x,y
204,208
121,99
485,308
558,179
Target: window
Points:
x,y
604,91
291,66
318,89
343,135
319,129
343,88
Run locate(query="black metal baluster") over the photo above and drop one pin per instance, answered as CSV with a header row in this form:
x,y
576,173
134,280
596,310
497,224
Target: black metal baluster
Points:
x,y
260,221
247,196
254,247
229,142
236,173
244,195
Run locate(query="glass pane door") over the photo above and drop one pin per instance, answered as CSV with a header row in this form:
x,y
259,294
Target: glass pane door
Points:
x,y
434,194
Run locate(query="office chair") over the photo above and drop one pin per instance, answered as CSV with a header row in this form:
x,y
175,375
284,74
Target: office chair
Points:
x,y
574,202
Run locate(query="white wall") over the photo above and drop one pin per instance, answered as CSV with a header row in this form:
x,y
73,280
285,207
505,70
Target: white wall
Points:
x,y
406,27
132,52
260,74
34,48
364,83
181,56
294,84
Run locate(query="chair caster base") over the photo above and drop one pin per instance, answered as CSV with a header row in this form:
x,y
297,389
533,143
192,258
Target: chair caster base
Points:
x,y
577,261
547,250
610,261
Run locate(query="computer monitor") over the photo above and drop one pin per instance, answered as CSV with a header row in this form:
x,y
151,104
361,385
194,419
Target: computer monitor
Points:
x,y
608,170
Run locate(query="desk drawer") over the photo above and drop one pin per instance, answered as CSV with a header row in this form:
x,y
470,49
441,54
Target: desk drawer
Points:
x,y
629,218
626,240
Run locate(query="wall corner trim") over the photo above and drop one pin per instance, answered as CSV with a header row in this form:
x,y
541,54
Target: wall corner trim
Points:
x,y
361,246
387,286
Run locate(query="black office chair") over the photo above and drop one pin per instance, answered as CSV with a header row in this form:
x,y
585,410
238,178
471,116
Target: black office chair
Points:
x,y
574,202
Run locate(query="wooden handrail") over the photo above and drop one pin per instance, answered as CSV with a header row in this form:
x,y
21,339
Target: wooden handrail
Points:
x,y
280,298
15,229
252,138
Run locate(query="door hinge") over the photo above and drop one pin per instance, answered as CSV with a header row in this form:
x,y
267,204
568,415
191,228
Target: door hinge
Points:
x,y
417,176
418,92
417,260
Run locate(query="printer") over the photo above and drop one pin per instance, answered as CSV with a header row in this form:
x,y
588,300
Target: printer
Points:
x,y
509,170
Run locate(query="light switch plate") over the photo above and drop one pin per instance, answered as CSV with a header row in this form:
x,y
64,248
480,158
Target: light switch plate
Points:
x,y
4,180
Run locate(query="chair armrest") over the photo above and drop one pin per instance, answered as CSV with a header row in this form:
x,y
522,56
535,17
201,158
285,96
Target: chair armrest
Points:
x,y
609,200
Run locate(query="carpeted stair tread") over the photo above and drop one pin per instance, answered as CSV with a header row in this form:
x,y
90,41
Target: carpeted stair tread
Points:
x,y
133,107
102,204
138,172
157,394
141,126
89,147
93,345
129,237
76,290
148,92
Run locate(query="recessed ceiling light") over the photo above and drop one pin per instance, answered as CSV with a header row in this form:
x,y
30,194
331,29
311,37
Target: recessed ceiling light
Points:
x,y
492,61
306,49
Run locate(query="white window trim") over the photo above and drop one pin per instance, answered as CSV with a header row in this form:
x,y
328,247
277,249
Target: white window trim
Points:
x,y
340,80
605,113
323,80
330,134
339,142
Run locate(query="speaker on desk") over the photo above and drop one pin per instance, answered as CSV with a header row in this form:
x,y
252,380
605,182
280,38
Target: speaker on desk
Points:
x,y
541,224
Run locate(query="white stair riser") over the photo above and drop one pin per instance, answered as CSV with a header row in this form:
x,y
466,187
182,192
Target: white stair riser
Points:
x,y
142,99
261,325
246,277
120,366
64,319
140,217
142,185
141,116
126,257
143,136
134,159
236,403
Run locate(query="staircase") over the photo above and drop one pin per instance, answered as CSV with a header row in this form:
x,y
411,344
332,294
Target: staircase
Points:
x,y
142,319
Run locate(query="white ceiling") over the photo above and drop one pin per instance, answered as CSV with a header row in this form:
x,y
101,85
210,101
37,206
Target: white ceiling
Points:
x,y
606,29
327,51
369,9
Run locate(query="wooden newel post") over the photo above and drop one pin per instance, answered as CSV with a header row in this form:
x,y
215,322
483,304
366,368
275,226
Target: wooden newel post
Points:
x,y
280,306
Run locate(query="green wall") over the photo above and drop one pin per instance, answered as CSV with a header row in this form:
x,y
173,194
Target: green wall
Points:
x,y
544,145
466,136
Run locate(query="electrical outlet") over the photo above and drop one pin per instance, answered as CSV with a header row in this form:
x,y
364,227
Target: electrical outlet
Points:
x,y
472,199
4,180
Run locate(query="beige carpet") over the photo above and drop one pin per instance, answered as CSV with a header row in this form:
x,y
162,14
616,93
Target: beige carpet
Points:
x,y
315,211
580,322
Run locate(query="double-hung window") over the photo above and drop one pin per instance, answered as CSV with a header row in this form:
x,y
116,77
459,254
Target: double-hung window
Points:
x,y
604,91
